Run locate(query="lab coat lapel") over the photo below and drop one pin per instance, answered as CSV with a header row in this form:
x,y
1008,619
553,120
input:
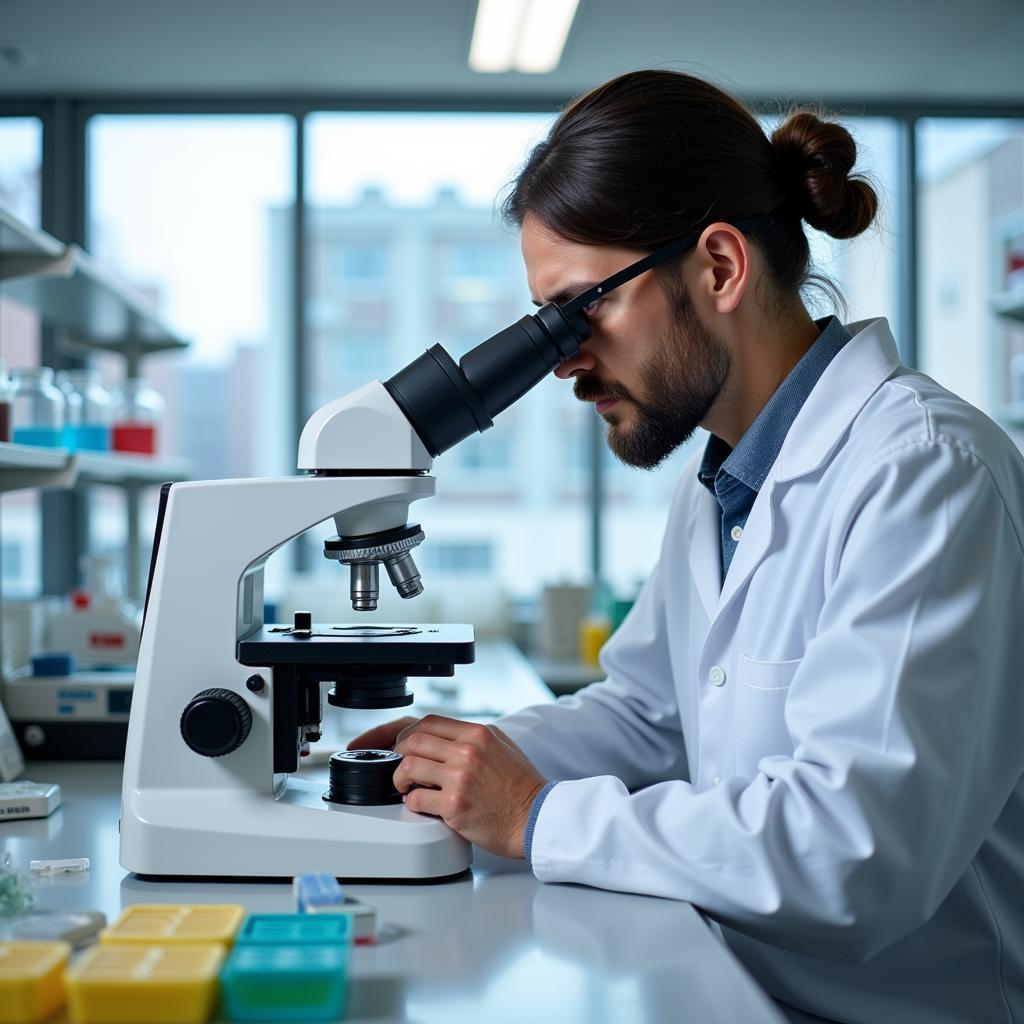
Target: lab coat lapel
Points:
x,y
856,373
705,550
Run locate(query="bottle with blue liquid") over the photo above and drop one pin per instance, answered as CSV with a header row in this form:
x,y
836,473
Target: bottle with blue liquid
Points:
x,y
89,428
38,408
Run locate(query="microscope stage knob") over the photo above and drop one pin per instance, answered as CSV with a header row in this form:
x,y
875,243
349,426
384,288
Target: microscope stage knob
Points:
x,y
215,722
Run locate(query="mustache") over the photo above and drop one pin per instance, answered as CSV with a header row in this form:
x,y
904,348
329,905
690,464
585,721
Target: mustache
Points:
x,y
590,389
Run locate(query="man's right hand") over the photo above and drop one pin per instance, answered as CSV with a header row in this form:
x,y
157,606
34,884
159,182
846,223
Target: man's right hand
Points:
x,y
383,737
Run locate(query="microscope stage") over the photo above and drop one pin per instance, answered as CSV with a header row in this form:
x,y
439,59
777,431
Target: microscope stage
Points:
x,y
359,644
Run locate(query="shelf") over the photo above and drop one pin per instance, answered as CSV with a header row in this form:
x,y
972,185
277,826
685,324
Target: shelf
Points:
x,y
23,466
118,468
24,251
1010,303
76,293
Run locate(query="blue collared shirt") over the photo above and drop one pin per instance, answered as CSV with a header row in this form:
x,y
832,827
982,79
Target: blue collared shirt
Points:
x,y
735,475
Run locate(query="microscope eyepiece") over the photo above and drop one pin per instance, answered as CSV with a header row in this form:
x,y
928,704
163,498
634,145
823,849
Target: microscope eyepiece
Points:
x,y
447,401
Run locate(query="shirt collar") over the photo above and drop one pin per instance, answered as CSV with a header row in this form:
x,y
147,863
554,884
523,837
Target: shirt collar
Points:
x,y
756,452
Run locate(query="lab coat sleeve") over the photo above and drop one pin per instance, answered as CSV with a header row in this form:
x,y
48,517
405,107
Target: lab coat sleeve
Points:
x,y
905,713
628,725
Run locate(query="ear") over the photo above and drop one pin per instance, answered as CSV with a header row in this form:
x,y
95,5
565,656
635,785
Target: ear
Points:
x,y
725,265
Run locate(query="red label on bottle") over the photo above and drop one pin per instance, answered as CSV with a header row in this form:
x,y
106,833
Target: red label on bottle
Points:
x,y
107,641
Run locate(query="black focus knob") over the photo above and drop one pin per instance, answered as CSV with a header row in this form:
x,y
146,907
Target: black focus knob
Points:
x,y
215,722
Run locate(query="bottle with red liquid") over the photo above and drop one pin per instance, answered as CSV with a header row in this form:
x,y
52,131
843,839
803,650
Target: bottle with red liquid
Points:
x,y
138,415
6,400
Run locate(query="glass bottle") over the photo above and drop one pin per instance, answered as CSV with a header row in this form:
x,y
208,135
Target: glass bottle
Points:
x,y
38,409
92,432
6,397
72,410
138,416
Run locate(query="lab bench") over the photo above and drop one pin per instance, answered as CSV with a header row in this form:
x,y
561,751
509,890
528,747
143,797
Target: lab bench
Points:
x,y
493,945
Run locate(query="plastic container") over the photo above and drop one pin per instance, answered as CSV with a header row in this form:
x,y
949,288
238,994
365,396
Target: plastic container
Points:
x,y
38,408
175,924
91,429
6,399
295,930
30,980
138,416
121,984
285,983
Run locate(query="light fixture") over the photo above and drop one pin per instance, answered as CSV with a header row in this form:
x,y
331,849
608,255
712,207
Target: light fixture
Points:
x,y
521,35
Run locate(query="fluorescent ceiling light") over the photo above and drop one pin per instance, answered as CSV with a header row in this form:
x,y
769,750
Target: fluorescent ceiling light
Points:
x,y
528,35
543,35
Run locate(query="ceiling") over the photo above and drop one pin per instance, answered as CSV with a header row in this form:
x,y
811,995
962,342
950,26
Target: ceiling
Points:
x,y
881,51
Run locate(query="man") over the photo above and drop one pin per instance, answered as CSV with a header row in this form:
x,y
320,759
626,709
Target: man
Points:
x,y
830,632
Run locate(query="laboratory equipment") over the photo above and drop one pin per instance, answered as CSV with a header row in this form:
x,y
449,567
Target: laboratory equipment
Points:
x,y
170,924
138,414
61,866
224,704
91,429
285,983
81,714
79,929
96,624
6,398
25,799
38,409
30,980
115,984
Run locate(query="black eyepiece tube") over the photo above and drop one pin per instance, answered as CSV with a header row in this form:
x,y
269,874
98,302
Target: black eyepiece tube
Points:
x,y
446,402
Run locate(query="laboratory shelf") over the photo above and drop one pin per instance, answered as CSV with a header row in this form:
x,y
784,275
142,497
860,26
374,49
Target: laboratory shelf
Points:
x,y
1010,304
24,251
98,310
23,465
117,468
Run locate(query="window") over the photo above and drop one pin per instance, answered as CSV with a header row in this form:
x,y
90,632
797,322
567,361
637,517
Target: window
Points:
x,y
423,187
971,243
21,161
196,212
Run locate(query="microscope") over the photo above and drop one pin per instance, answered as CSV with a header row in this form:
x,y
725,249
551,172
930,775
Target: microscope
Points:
x,y
224,704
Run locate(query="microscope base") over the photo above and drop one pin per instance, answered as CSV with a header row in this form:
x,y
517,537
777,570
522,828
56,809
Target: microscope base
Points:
x,y
169,832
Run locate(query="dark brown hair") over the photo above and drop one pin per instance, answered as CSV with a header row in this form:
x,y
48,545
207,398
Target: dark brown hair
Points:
x,y
653,155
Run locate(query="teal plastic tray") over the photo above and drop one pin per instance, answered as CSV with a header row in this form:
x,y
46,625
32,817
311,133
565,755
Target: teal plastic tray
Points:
x,y
295,930
284,983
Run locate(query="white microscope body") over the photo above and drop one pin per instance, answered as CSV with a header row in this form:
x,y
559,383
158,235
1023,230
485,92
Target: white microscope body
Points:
x,y
231,814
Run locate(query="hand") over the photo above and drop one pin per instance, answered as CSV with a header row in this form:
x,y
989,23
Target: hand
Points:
x,y
471,776
383,737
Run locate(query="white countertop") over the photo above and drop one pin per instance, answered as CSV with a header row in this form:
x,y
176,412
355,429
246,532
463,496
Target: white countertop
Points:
x,y
493,946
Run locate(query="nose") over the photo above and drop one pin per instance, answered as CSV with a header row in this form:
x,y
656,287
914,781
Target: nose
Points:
x,y
583,362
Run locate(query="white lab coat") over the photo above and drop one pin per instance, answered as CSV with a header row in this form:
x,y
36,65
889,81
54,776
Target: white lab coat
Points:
x,y
851,704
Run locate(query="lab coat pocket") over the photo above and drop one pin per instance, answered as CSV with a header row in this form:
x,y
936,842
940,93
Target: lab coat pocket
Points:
x,y
759,712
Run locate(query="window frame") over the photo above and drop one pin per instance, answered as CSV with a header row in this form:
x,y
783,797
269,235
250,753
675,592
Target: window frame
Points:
x,y
64,214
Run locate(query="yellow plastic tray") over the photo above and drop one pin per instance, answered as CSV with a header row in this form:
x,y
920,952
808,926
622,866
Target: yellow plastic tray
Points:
x,y
30,980
126,984
170,923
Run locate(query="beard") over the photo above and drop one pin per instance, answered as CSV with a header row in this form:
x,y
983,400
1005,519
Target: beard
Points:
x,y
680,383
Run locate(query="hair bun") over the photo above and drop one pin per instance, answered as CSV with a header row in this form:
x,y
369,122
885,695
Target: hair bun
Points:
x,y
815,158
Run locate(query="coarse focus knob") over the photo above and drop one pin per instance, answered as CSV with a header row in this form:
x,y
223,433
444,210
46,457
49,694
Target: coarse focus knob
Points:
x,y
215,722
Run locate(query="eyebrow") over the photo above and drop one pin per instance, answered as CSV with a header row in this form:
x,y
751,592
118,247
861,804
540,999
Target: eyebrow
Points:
x,y
570,291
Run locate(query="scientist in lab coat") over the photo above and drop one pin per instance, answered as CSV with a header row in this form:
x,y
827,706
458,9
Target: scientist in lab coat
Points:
x,y
831,641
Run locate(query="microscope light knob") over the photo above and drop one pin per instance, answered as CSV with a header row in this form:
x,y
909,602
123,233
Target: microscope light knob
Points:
x,y
215,722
